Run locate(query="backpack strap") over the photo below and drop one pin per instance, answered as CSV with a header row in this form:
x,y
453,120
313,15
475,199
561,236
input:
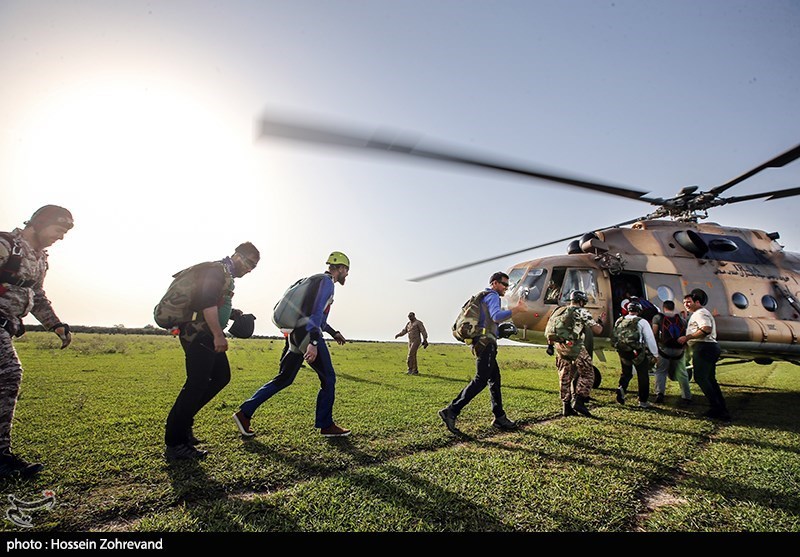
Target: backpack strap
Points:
x,y
9,274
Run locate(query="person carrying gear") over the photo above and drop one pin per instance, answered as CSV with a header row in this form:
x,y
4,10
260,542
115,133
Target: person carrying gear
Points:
x,y
668,327
633,339
484,347
566,330
307,343
205,345
23,265
416,335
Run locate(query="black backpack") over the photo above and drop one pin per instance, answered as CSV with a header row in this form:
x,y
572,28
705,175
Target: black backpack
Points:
x,y
672,327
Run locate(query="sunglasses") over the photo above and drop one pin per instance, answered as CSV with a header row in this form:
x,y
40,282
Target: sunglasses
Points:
x,y
504,284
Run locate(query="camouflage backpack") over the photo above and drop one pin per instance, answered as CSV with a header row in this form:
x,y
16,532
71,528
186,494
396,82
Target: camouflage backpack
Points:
x,y
561,329
465,327
626,336
177,304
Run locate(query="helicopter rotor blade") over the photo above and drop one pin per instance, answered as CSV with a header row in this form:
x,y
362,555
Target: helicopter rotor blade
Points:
x,y
777,162
396,143
770,195
488,259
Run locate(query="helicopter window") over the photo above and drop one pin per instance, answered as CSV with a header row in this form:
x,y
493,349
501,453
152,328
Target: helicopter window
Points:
x,y
534,284
769,303
665,293
514,276
730,248
553,291
740,300
579,279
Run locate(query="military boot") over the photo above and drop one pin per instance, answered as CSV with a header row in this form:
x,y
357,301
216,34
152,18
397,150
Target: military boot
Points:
x,y
568,411
12,465
579,405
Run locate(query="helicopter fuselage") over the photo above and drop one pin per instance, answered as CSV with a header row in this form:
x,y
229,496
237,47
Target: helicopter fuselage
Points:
x,y
752,285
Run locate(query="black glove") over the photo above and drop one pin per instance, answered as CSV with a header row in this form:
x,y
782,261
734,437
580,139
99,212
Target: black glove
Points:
x,y
550,350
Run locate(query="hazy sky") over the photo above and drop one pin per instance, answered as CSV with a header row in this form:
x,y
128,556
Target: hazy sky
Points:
x,y
140,117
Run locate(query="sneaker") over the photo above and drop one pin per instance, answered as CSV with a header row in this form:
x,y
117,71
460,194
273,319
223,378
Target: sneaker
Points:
x,y
684,401
449,419
184,452
12,465
644,404
620,395
243,424
334,430
659,398
504,423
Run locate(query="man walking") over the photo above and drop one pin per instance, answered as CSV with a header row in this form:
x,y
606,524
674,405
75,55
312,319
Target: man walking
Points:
x,y
306,343
566,328
416,335
205,346
23,265
484,346
634,341
701,336
668,327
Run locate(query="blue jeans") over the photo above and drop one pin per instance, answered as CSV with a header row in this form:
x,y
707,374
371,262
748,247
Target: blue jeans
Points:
x,y
487,373
290,365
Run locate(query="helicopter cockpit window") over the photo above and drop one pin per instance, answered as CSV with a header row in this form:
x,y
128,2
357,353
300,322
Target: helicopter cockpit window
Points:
x,y
579,279
769,303
534,284
730,248
513,277
740,300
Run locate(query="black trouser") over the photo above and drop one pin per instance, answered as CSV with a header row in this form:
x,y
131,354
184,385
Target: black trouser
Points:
x,y
642,374
488,372
207,373
704,362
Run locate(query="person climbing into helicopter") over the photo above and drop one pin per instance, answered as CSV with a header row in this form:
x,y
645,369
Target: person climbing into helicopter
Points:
x,y
566,330
633,339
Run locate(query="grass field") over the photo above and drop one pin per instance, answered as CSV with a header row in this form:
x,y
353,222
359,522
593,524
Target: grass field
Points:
x,y
94,415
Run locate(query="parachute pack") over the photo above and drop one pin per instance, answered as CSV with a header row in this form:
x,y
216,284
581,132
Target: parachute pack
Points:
x,y
626,336
294,307
176,306
465,327
561,329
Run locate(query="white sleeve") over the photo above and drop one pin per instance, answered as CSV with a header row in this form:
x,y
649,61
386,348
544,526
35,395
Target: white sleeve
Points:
x,y
647,335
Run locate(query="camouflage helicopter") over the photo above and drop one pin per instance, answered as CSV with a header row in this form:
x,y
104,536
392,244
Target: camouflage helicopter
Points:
x,y
750,284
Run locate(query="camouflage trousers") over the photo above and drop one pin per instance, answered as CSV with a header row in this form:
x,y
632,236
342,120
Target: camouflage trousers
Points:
x,y
581,368
10,378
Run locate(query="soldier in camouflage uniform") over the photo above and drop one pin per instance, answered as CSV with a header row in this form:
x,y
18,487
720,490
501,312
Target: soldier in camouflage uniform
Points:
x,y
572,359
23,265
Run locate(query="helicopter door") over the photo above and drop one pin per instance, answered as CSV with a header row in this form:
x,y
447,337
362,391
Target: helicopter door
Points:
x,y
662,287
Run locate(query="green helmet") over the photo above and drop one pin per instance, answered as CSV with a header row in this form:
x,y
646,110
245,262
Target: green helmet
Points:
x,y
338,258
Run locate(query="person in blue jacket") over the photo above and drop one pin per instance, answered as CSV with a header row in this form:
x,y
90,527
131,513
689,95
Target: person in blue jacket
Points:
x,y
484,347
307,344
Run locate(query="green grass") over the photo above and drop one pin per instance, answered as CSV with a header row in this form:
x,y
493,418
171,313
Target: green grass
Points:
x,y
94,414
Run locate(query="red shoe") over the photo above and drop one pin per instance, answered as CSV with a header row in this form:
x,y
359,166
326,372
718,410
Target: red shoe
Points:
x,y
243,423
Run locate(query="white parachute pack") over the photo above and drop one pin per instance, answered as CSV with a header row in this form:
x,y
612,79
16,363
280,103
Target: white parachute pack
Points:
x,y
294,307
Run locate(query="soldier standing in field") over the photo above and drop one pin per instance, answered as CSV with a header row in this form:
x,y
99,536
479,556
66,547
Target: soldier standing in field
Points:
x,y
23,265
416,335
566,329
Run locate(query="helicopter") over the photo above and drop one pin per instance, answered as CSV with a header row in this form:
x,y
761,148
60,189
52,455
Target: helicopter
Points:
x,y
745,277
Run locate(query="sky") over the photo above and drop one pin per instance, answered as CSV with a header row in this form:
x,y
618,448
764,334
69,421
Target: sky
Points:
x,y
141,117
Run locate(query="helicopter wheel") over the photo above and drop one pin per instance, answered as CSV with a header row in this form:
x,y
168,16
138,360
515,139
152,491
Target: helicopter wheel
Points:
x,y
597,377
